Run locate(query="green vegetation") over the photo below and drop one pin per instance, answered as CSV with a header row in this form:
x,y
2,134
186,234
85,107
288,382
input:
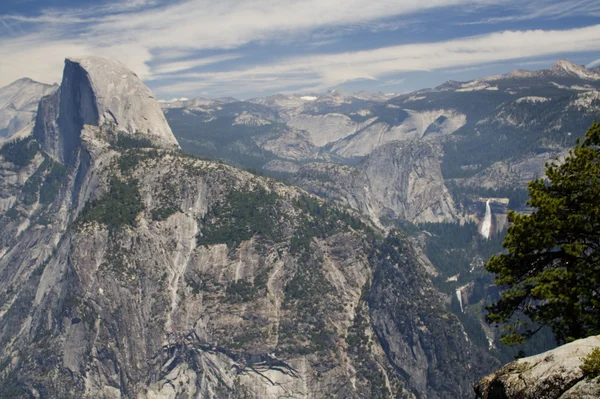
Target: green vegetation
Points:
x,y
360,348
118,207
12,213
220,138
475,147
20,152
321,220
452,247
551,273
10,387
307,293
308,283
240,291
132,141
53,181
591,364
168,201
45,183
130,159
31,188
240,215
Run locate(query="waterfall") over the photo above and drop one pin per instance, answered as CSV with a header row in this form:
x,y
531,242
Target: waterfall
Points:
x,y
486,226
459,297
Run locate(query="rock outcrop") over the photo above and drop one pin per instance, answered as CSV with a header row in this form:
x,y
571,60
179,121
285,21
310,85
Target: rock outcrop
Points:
x,y
550,375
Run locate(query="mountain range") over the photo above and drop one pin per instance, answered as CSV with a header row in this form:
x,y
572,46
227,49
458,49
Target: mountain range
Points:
x,y
128,269
131,265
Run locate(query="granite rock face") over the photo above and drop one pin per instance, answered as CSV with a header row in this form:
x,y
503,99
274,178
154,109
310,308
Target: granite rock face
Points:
x,y
554,374
400,180
99,92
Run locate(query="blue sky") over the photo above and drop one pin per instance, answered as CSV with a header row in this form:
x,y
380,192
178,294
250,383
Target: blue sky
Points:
x,y
247,48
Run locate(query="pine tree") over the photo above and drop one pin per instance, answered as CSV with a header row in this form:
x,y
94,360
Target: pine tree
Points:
x,y
551,271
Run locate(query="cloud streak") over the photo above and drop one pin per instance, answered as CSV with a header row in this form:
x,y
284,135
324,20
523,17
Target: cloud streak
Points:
x,y
135,31
325,71
179,47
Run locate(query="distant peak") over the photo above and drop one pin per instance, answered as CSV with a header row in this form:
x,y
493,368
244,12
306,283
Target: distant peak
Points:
x,y
567,66
26,80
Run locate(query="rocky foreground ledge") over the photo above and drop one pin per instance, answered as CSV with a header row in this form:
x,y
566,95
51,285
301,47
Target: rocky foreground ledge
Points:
x,y
549,375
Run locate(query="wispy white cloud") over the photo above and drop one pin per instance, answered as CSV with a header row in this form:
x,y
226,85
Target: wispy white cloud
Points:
x,y
550,9
594,64
179,66
392,82
333,69
172,44
134,32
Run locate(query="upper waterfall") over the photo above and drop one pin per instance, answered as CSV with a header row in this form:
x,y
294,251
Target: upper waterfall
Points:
x,y
486,226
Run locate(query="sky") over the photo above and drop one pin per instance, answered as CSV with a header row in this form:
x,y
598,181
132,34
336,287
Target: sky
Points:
x,y
251,48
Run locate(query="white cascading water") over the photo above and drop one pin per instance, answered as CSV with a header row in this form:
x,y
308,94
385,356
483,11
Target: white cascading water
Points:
x,y
486,226
459,297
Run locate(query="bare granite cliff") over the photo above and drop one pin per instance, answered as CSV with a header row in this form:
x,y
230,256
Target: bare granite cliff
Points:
x,y
99,92
399,180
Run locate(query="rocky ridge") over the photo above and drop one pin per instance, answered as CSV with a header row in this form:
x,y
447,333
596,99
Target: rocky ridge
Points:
x,y
19,103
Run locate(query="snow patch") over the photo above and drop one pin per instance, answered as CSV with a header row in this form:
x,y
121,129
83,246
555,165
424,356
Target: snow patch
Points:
x,y
577,70
309,98
467,87
363,112
414,98
532,99
574,87
582,88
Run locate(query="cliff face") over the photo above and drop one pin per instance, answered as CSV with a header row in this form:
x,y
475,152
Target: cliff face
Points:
x,y
553,374
130,270
400,180
99,92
